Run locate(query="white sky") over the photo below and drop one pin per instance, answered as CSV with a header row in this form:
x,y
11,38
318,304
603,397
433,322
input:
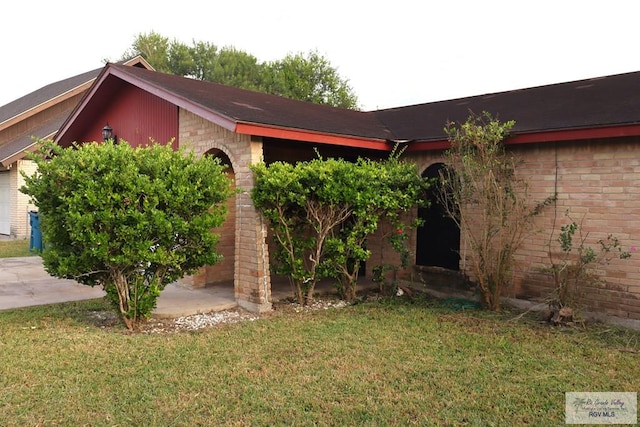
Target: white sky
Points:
x,y
393,53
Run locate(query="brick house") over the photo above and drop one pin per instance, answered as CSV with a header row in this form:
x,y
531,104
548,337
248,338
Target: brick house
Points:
x,y
38,114
578,139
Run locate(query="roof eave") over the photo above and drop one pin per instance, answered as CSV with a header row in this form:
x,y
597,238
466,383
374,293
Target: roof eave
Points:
x,y
257,129
613,131
81,105
223,121
19,155
546,136
180,101
44,105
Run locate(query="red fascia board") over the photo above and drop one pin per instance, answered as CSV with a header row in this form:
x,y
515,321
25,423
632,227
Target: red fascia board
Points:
x,y
309,136
576,134
548,136
428,145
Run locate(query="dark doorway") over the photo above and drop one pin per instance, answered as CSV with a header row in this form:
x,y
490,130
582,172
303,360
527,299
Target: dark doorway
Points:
x,y
438,240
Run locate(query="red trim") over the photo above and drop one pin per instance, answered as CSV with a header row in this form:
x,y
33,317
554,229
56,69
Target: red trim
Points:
x,y
428,145
310,136
549,136
576,134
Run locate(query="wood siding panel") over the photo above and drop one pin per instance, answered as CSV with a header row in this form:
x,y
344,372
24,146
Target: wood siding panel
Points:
x,y
137,117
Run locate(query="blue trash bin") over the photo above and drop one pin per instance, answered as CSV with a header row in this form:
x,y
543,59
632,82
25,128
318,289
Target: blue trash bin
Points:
x,y
35,243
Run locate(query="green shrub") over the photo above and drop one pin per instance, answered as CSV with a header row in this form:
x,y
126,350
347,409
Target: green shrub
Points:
x,y
128,220
322,211
575,269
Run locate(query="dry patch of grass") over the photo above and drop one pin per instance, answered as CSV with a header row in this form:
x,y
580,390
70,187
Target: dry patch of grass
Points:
x,y
375,363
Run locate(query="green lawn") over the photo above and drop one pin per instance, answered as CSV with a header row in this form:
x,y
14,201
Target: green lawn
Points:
x,y
14,248
374,364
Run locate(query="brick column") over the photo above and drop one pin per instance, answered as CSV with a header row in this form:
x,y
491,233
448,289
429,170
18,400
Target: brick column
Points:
x,y
252,276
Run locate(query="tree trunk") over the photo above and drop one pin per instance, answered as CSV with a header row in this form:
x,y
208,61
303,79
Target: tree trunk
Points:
x,y
309,296
299,293
124,298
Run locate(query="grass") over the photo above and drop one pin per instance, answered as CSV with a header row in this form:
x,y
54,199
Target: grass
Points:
x,y
14,248
372,364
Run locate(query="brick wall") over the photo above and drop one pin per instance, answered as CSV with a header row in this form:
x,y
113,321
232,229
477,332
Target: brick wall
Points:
x,y
251,255
383,253
224,270
598,182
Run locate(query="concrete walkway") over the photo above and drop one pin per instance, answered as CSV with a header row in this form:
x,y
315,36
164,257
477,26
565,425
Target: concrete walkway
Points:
x,y
24,282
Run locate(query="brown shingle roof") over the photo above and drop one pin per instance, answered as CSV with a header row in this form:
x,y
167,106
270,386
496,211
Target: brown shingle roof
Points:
x,y
591,103
14,149
246,106
605,103
44,94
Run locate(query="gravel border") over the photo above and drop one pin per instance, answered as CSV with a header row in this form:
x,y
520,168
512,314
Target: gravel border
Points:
x,y
207,320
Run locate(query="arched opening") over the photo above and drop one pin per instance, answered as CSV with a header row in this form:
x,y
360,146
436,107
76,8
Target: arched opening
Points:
x,y
438,239
222,272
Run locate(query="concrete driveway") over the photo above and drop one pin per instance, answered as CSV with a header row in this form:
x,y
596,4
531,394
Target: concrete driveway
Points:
x,y
24,282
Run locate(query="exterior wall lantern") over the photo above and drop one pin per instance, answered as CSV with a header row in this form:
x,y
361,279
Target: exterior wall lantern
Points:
x,y
107,133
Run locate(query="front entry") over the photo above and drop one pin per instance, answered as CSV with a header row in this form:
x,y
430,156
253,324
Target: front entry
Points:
x,y
438,239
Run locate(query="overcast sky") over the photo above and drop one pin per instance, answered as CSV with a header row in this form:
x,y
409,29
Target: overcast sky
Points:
x,y
393,53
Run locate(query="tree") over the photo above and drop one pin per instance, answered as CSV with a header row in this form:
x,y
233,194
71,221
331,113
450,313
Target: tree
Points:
x,y
154,48
128,220
322,211
487,199
228,66
236,68
181,61
309,77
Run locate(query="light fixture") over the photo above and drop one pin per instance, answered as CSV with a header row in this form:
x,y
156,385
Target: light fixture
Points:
x,y
107,133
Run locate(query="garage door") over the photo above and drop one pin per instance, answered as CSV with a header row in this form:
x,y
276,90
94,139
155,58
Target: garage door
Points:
x,y
5,204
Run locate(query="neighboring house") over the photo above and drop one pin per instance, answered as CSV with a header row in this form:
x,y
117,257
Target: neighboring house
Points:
x,y
36,115
578,139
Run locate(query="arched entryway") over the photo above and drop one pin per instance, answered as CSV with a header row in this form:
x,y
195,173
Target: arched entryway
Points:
x,y
438,239
223,272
